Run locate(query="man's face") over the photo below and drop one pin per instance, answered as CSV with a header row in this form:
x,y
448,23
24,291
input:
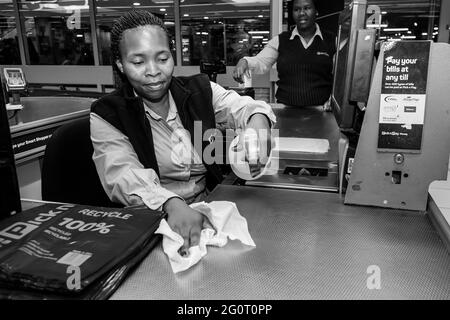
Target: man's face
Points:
x,y
146,61
304,13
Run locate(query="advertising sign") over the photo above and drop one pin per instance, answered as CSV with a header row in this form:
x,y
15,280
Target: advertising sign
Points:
x,y
403,95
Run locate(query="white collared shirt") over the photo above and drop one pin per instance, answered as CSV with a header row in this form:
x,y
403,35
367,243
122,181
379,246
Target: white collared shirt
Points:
x,y
125,179
264,60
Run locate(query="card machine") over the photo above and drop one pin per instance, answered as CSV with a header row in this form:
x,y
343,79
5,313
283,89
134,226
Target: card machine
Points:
x,y
14,83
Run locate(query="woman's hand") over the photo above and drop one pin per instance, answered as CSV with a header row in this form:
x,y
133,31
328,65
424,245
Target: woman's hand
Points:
x,y
241,69
185,221
257,152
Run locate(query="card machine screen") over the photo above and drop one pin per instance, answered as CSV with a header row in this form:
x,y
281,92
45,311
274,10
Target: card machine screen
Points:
x,y
14,78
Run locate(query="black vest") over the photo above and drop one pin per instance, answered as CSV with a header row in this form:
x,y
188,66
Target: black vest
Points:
x,y
125,111
305,74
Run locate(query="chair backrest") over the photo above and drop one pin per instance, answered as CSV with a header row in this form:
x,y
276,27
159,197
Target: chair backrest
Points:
x,y
68,171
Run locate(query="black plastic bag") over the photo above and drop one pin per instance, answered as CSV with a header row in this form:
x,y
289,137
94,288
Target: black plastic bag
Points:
x,y
72,251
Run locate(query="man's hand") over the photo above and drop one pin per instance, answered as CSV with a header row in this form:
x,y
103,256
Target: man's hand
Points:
x,y
185,221
241,69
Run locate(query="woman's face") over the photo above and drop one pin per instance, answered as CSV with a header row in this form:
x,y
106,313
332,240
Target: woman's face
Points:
x,y
146,61
304,13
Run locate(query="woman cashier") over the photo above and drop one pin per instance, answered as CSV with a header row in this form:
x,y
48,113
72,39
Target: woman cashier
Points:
x,y
304,58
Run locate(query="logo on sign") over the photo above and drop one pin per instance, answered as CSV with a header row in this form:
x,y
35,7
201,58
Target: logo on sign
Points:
x,y
410,109
390,109
410,99
390,99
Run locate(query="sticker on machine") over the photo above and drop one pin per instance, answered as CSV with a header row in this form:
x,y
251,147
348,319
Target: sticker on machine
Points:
x,y
75,258
405,109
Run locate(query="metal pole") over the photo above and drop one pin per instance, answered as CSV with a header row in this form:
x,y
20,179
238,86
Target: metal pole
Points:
x,y
224,42
178,35
21,35
94,37
431,19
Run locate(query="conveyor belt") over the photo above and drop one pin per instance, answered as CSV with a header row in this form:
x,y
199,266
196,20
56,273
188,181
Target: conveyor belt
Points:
x,y
308,246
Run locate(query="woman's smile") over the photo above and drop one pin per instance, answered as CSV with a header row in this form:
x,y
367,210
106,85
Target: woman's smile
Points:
x,y
155,85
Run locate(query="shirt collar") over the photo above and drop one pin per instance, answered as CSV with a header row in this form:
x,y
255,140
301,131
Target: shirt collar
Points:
x,y
172,110
296,33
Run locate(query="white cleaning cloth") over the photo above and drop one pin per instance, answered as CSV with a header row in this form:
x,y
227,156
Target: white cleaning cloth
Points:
x,y
224,216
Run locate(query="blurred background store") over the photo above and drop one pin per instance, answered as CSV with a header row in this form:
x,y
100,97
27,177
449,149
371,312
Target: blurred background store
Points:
x,y
49,38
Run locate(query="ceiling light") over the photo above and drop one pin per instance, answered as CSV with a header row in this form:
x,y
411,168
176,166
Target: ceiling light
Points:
x,y
376,25
396,29
408,37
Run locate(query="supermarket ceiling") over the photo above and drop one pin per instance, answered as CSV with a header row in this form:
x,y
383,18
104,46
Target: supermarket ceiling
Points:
x,y
202,8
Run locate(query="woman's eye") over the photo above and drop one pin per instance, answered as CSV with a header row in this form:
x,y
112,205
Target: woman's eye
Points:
x,y
137,62
163,59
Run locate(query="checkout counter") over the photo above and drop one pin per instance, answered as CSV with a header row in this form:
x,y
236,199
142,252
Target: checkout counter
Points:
x,y
32,121
309,245
32,126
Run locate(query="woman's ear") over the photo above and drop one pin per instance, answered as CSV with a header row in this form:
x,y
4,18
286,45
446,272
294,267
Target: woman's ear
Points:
x,y
119,65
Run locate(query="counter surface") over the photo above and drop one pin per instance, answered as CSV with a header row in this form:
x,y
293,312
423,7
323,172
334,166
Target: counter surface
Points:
x,y
41,116
40,111
308,246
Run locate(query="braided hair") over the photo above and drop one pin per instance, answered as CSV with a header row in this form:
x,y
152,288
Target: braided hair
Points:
x,y
130,20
